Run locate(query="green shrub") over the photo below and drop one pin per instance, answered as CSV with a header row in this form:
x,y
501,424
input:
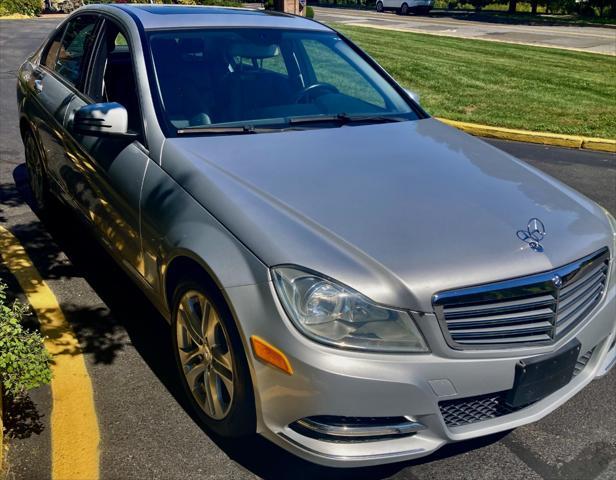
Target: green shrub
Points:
x,y
309,12
24,362
25,7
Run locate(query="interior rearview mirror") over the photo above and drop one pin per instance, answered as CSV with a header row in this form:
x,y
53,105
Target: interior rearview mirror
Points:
x,y
413,95
102,119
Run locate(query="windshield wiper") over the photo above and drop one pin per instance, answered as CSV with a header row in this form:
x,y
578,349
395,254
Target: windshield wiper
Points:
x,y
241,129
344,119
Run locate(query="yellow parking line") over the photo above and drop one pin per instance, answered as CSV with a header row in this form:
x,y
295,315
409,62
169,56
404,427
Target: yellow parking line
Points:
x,y
74,426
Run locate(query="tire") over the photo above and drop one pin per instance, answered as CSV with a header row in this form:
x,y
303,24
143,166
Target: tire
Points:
x,y
214,374
379,7
37,178
404,9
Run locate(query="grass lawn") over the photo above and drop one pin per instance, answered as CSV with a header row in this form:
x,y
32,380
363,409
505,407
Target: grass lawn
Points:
x,y
516,86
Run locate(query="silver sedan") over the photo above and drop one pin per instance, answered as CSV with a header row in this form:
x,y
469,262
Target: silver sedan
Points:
x,y
343,274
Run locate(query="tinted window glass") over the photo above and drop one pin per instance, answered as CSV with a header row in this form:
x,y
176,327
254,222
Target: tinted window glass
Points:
x,y
76,43
265,77
331,66
49,60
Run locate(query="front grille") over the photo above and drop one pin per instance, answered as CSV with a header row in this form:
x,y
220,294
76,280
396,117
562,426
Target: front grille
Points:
x,y
462,411
580,365
537,309
475,409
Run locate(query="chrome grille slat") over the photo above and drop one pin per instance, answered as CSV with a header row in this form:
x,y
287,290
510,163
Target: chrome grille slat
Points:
x,y
569,290
537,309
511,340
503,307
539,327
524,316
575,316
582,298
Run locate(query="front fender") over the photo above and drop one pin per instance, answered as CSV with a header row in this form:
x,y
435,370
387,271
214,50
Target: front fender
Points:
x,y
175,225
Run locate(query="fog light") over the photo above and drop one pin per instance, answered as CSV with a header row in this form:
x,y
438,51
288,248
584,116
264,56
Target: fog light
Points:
x,y
354,429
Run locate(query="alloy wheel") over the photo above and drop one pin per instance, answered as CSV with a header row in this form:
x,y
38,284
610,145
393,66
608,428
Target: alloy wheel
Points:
x,y
205,354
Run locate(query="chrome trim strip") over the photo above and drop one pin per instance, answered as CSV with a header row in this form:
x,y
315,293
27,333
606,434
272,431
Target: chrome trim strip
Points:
x,y
349,431
415,451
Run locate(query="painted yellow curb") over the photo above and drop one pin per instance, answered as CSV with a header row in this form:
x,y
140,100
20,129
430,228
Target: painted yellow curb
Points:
x,y
74,426
544,138
600,144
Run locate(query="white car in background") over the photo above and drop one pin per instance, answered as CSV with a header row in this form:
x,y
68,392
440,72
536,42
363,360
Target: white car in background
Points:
x,y
403,7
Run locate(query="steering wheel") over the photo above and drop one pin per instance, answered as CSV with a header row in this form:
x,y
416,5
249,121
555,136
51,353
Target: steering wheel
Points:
x,y
310,91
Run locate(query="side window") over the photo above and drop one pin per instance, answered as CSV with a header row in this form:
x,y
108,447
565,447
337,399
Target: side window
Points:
x,y
52,49
76,44
330,67
113,78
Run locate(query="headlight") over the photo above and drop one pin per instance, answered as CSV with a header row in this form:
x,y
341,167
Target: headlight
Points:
x,y
612,221
331,313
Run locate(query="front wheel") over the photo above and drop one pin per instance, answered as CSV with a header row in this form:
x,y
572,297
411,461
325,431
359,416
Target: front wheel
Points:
x,y
211,361
379,7
404,9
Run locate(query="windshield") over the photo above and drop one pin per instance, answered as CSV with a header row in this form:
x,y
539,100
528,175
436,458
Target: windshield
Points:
x,y
248,79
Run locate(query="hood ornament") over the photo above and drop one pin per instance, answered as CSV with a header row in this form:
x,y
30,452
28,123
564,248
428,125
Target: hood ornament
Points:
x,y
534,233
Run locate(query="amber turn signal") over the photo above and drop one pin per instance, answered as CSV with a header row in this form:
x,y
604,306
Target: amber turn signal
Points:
x,y
270,354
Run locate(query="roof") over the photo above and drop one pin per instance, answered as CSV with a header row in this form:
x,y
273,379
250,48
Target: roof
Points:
x,y
186,16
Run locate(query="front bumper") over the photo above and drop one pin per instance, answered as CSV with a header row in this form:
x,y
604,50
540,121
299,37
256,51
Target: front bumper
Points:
x,y
332,382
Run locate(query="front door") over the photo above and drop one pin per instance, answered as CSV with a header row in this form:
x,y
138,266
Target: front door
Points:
x,y
111,170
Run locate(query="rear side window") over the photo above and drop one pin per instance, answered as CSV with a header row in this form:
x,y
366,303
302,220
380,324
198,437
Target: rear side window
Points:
x,y
75,46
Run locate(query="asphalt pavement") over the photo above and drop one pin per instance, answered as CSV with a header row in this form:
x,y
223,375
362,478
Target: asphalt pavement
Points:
x,y
146,430
452,24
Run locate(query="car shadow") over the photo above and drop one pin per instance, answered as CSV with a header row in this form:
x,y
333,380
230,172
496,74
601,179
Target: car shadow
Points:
x,y
63,247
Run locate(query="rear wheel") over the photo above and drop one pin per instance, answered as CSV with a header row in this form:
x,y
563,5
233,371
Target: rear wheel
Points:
x,y
379,7
404,9
211,361
36,173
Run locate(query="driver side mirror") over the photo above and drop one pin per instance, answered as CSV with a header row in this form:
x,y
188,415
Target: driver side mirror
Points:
x,y
413,95
102,120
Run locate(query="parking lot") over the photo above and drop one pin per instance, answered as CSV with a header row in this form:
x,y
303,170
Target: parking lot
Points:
x,y
146,429
450,24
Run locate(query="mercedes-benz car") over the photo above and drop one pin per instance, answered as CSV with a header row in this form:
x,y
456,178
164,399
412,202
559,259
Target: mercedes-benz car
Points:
x,y
342,273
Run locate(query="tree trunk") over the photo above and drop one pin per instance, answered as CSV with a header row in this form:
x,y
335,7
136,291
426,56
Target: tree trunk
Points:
x,y
512,5
533,6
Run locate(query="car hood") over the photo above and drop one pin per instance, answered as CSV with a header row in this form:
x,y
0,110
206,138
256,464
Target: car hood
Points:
x,y
396,211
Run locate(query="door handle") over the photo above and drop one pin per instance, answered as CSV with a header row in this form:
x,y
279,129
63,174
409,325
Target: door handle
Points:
x,y
38,85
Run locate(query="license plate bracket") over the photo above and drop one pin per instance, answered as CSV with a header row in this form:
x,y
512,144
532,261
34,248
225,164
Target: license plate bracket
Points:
x,y
538,377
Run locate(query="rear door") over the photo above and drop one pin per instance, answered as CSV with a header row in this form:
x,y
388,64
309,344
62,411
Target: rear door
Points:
x,y
54,83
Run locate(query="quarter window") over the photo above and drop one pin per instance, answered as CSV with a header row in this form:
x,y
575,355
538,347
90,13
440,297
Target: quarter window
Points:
x,y
76,43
